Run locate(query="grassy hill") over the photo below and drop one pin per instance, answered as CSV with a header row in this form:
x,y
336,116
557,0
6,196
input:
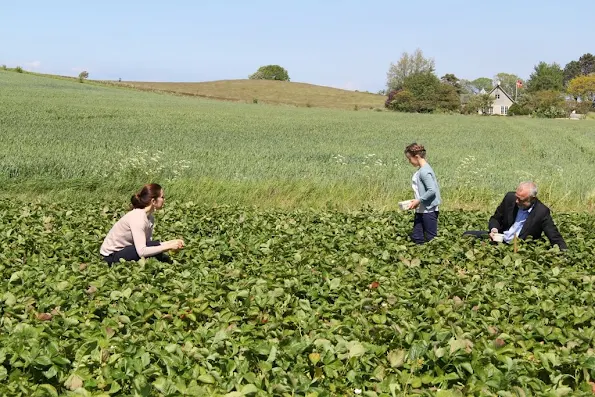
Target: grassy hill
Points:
x,y
266,91
61,138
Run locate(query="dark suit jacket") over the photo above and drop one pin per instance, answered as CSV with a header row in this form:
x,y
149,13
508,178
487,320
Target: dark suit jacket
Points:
x,y
539,221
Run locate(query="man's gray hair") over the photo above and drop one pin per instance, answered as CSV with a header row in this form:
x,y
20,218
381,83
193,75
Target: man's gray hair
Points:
x,y
531,186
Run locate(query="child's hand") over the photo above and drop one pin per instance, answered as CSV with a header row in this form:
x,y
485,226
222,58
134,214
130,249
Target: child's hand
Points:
x,y
414,204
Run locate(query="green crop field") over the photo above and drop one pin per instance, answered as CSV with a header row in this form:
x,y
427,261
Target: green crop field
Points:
x,y
291,303
70,141
298,277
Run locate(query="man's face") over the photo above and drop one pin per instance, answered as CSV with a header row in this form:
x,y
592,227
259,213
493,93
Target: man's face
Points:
x,y
523,198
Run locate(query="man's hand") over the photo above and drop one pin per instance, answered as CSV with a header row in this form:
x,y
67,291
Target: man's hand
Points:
x,y
492,232
414,204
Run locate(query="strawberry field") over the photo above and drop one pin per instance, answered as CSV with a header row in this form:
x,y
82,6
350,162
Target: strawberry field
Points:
x,y
287,303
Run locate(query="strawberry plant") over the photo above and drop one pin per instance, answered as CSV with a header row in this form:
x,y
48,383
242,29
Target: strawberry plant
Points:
x,y
313,303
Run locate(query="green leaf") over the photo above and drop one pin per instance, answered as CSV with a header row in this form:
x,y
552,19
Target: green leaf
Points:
x,y
9,299
249,390
48,390
356,349
396,358
165,386
206,378
334,283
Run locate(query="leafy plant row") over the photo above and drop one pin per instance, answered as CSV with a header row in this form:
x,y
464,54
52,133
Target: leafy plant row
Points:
x,y
314,303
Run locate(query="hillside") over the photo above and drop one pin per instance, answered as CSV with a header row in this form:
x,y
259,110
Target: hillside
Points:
x,y
63,138
266,91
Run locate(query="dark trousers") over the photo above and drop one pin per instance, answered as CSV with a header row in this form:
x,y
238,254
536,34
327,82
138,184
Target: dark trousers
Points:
x,y
425,227
129,254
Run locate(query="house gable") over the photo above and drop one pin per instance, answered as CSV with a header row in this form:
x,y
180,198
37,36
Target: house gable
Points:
x,y
498,90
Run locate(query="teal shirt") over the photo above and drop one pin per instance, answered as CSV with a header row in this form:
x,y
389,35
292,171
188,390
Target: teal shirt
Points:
x,y
428,191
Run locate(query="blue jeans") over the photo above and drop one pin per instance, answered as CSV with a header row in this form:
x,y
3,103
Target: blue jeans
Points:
x,y
425,227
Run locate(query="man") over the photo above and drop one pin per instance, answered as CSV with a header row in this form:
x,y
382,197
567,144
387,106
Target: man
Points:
x,y
522,214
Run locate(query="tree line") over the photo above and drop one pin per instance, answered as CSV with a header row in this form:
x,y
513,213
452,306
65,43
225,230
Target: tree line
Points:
x,y
550,91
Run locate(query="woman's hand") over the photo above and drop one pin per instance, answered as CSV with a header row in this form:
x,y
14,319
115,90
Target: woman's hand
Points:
x,y
174,245
414,204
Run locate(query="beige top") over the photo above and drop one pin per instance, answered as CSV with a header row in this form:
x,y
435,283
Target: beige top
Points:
x,y
134,228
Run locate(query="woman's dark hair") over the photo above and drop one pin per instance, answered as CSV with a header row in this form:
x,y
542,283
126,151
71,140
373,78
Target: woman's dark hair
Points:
x,y
143,198
415,149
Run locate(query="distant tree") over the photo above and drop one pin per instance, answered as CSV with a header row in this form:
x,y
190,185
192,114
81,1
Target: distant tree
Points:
x,y
478,102
18,69
584,66
83,75
571,70
423,93
270,72
583,87
482,83
508,82
424,88
448,98
545,104
546,77
587,64
453,81
407,65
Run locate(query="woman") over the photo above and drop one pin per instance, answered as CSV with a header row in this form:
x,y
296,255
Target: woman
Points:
x,y
131,237
427,195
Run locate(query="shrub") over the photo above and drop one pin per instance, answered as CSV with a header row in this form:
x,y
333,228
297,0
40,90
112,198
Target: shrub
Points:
x,y
544,104
3,67
18,69
582,107
255,100
551,112
83,75
270,72
518,110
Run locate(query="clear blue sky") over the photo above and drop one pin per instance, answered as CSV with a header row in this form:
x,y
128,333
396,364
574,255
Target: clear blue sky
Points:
x,y
346,44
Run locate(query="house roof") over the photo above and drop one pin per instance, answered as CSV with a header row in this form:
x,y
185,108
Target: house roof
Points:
x,y
501,89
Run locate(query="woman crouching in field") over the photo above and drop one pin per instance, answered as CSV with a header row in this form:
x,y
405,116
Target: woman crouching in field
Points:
x,y
427,195
131,237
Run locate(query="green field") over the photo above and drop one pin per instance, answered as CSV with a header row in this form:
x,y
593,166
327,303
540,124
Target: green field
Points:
x,y
291,303
298,277
67,140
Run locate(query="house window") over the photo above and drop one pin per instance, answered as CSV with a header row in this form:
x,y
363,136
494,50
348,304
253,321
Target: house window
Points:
x,y
503,109
490,110
497,96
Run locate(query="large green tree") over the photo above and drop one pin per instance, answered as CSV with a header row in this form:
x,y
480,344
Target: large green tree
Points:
x,y
407,65
482,83
270,72
424,92
583,87
546,77
571,70
584,66
453,81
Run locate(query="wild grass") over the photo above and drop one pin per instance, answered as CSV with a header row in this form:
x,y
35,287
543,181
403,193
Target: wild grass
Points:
x,y
267,92
64,140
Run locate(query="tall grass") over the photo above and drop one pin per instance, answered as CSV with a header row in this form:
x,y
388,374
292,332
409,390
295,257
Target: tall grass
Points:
x,y
73,141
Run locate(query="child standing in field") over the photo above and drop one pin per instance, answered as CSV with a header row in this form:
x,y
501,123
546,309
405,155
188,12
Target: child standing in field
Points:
x,y
427,195
131,237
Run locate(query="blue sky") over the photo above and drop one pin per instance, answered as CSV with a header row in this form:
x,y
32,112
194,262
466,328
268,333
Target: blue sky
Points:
x,y
346,44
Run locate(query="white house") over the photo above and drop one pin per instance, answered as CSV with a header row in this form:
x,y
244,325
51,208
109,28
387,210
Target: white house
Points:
x,y
502,102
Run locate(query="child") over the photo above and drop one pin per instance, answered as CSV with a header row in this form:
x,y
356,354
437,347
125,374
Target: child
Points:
x,y
427,195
